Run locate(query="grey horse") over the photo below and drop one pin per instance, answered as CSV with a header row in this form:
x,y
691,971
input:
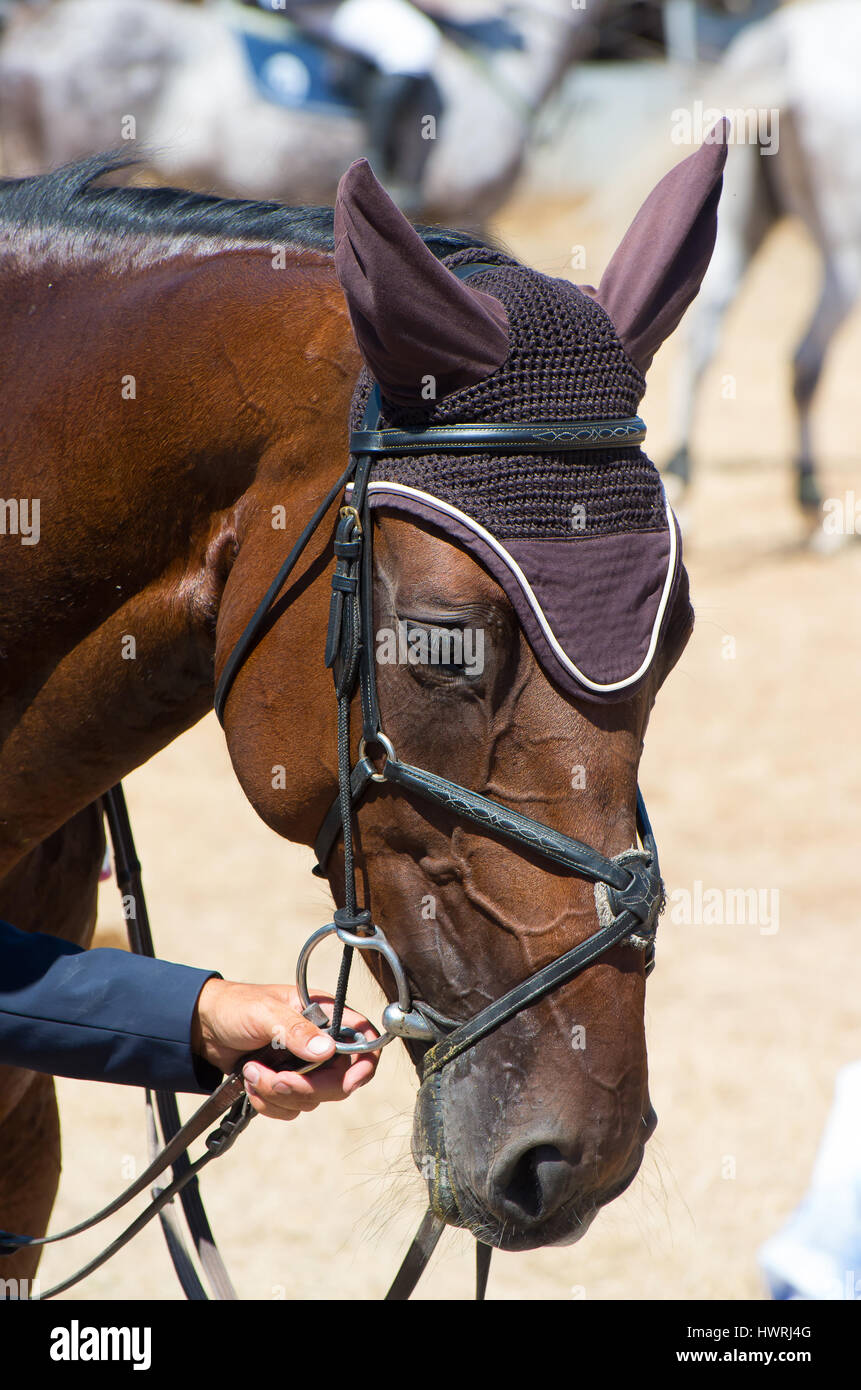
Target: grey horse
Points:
x,y
84,75
804,62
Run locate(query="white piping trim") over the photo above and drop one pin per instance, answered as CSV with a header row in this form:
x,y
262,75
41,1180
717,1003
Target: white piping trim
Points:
x,y
567,664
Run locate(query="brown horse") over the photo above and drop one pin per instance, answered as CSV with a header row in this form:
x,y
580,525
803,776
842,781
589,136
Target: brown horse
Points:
x,y
177,380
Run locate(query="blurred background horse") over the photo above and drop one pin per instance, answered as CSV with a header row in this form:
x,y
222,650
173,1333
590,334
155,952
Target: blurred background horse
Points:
x,y
803,62
226,96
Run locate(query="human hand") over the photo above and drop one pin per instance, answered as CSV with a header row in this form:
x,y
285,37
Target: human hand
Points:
x,y
232,1019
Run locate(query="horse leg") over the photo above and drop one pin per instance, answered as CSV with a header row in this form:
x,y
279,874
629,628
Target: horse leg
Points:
x,y
52,890
702,339
831,309
748,211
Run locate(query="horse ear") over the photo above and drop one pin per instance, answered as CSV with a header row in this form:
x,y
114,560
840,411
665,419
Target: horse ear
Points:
x,y
412,318
660,262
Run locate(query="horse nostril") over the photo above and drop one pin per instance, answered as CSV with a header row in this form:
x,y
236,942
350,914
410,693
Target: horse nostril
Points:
x,y
533,1183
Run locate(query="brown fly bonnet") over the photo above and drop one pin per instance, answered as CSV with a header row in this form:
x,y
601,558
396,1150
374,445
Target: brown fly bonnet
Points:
x,y
582,541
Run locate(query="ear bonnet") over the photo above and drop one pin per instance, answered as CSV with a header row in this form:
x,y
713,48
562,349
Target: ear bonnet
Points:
x,y
582,539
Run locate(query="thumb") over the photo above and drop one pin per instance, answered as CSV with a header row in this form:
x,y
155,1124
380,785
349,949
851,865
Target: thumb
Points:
x,y
290,1035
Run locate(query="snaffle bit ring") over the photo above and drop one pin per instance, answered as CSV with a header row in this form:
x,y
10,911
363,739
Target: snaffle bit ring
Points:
x,y
375,941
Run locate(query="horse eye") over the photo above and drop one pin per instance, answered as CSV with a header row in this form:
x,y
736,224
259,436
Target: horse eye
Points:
x,y
444,652
439,647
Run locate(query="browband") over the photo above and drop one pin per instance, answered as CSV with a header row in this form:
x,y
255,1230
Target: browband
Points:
x,y
551,436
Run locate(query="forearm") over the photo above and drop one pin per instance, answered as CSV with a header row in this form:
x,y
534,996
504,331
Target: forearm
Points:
x,y
99,1015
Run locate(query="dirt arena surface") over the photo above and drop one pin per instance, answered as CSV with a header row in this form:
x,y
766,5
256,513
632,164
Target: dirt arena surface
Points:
x,y
752,775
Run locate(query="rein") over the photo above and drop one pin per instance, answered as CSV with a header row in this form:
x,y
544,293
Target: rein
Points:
x,y
227,1101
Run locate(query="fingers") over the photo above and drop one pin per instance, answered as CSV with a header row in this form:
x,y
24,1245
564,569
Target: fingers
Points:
x,y
270,1096
288,1094
350,1018
269,1110
284,1095
361,1025
298,1035
335,1081
281,1095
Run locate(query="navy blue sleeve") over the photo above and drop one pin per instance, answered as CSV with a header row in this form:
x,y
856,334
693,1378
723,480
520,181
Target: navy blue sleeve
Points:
x,y
100,1015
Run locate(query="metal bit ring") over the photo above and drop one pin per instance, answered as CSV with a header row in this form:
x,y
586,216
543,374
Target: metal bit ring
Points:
x,y
375,941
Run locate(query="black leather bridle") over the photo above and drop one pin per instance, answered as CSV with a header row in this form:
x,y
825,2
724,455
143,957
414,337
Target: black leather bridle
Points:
x,y
632,886
634,889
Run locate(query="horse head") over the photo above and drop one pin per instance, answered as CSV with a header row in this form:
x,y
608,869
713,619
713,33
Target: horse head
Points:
x,y
528,600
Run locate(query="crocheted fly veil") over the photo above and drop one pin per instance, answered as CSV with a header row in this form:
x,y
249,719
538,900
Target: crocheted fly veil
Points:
x,y
582,540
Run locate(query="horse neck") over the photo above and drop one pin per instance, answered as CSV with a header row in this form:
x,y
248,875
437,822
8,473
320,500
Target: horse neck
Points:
x,y
157,450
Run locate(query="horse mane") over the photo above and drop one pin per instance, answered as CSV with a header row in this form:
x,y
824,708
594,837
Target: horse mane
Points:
x,y
70,199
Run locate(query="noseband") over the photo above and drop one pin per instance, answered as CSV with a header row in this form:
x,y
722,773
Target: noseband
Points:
x,y
629,890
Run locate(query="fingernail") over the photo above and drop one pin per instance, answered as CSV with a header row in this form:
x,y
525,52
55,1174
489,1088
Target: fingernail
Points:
x,y
282,1088
252,1075
319,1045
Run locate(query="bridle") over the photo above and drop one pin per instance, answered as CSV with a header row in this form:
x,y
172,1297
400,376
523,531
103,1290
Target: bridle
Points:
x,y
629,886
632,880
629,889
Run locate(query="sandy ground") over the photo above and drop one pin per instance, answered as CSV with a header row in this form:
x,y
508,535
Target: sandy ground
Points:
x,y
752,774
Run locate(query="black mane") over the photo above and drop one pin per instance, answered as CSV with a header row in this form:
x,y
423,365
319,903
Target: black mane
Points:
x,y
67,199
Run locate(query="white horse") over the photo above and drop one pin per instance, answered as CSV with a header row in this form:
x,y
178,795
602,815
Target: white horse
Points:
x,y
804,61
73,73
